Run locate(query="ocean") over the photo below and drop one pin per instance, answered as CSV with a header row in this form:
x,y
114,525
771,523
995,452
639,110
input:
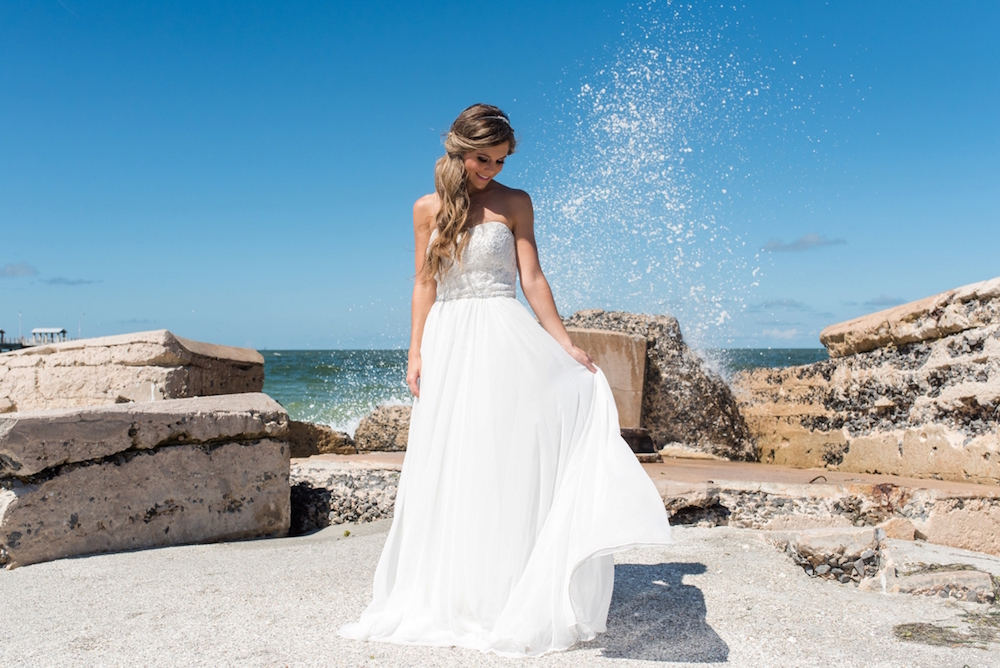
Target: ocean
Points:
x,y
339,387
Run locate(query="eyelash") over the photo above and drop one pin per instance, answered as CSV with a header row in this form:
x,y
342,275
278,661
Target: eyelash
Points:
x,y
485,160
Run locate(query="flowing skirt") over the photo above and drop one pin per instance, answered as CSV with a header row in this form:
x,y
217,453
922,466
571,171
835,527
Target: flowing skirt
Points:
x,y
516,490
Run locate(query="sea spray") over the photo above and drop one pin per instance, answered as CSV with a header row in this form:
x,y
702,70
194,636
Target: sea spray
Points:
x,y
632,184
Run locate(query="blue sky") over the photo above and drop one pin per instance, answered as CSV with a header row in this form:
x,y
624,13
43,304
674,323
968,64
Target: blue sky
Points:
x,y
243,172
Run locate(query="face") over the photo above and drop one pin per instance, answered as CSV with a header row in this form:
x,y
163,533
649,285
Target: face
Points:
x,y
482,165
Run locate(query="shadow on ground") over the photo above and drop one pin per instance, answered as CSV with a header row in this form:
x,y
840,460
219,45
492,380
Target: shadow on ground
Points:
x,y
654,616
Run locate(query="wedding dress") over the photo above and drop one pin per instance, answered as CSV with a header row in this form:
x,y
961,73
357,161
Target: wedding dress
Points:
x,y
517,487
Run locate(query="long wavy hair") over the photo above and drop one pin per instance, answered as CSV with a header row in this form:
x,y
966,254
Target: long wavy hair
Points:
x,y
479,126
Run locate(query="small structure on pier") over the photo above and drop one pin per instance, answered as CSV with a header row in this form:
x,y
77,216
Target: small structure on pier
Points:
x,y
41,335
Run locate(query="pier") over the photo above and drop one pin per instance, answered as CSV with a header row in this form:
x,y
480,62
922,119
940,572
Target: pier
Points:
x,y
39,336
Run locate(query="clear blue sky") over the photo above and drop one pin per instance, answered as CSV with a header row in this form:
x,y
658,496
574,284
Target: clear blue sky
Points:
x,y
243,172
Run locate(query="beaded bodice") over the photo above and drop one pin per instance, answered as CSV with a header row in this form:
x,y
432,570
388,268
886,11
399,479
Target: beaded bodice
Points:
x,y
488,267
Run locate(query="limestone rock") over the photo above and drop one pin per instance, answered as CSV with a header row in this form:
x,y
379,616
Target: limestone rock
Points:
x,y
124,477
307,439
145,366
925,409
931,318
622,358
384,429
683,400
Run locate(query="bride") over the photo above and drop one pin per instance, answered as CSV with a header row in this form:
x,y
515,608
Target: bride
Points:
x,y
517,487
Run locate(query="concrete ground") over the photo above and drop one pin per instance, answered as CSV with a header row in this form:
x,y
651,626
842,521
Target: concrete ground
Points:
x,y
719,596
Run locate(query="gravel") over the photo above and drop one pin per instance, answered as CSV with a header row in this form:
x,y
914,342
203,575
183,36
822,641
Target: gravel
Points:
x,y
722,596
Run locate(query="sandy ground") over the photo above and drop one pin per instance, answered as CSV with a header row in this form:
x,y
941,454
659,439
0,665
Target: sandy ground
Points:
x,y
719,596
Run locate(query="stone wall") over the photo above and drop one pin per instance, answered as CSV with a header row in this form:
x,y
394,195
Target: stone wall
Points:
x,y
123,477
683,401
912,391
144,366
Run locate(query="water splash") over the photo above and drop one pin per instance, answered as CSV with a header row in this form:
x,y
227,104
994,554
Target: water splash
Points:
x,y
632,182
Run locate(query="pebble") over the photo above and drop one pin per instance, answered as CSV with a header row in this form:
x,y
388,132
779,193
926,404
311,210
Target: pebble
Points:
x,y
822,569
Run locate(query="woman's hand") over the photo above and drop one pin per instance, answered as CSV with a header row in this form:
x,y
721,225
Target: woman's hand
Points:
x,y
580,356
413,374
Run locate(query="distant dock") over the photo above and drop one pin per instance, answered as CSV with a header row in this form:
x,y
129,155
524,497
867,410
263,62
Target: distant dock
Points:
x,y
39,336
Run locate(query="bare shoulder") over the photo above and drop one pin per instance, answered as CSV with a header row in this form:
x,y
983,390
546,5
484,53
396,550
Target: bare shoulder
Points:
x,y
424,210
519,203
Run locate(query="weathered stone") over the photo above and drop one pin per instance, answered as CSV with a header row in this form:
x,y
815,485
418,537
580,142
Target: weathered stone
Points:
x,y
899,528
307,439
967,585
918,407
142,475
926,319
683,400
387,428
339,491
144,366
622,358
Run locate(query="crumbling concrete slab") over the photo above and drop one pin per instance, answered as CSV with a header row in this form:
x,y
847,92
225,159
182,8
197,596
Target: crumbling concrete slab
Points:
x,y
122,477
139,367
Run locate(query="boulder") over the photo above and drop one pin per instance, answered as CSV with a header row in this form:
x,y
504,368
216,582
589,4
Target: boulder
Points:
x,y
914,406
133,476
683,401
307,439
145,366
385,429
622,358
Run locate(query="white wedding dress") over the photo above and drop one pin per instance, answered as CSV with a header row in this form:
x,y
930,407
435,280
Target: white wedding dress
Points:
x,y
517,487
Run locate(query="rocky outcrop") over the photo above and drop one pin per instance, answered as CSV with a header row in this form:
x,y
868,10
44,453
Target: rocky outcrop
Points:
x,y
915,406
964,519
339,491
868,559
622,358
386,429
307,439
928,319
124,477
145,366
683,401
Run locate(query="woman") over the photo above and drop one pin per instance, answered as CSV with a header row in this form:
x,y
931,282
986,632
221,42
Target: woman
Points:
x,y
517,487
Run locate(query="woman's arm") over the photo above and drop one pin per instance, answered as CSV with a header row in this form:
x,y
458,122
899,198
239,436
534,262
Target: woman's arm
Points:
x,y
536,288
424,287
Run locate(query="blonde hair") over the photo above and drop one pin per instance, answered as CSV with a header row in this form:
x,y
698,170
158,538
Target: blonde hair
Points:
x,y
479,126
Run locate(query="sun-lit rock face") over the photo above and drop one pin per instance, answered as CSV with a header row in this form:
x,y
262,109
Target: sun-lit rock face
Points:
x,y
77,481
144,366
911,391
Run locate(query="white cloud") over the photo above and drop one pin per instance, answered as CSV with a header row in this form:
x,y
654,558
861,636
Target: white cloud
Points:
x,y
19,269
807,242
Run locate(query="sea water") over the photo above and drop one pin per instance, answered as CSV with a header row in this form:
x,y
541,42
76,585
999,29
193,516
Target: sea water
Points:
x,y
339,387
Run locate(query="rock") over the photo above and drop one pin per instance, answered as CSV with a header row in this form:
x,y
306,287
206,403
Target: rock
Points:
x,y
931,318
622,358
326,492
133,476
897,527
307,439
917,395
6,405
967,585
146,366
384,429
822,569
683,401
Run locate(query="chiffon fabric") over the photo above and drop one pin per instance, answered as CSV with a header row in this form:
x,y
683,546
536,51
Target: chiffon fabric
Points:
x,y
517,487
